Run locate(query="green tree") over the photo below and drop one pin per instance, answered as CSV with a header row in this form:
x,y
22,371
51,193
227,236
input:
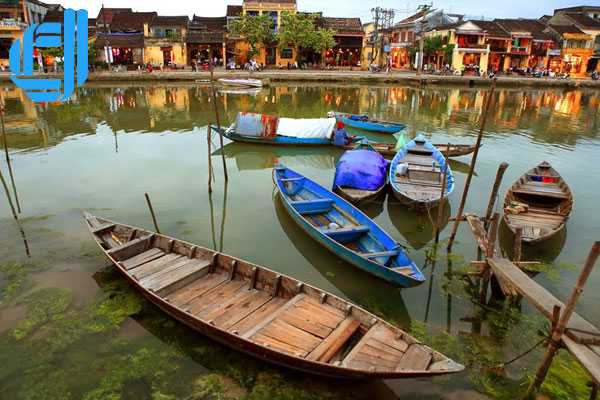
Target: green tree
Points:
x,y
322,39
257,30
431,45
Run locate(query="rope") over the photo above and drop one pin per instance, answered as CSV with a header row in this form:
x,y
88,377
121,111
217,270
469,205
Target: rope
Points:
x,y
504,364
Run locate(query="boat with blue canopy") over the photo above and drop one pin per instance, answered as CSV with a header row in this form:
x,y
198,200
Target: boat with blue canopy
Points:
x,y
416,174
344,230
367,124
360,175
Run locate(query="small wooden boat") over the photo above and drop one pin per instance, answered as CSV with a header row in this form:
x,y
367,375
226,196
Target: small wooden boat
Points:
x,y
389,149
252,91
260,312
367,124
416,174
540,203
359,196
231,134
344,230
239,82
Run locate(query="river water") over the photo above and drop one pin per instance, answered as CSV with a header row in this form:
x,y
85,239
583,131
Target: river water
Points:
x,y
71,328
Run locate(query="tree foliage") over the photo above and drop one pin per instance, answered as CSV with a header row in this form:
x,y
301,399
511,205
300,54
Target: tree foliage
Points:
x,y
257,30
300,30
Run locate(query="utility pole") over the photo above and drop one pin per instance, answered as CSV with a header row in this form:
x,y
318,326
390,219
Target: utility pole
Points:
x,y
107,48
383,19
375,34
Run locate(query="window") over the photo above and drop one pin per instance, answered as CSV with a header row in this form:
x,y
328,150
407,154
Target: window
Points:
x,y
273,16
286,53
252,13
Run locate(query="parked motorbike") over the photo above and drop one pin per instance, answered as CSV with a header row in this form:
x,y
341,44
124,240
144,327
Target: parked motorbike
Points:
x,y
595,75
374,68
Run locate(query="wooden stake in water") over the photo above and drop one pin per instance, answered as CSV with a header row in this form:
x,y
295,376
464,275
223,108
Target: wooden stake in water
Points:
x,y
565,316
208,144
14,213
152,212
492,202
463,200
438,223
10,171
518,245
218,119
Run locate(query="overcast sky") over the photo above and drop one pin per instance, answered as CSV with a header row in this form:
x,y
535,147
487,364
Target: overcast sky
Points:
x,y
346,8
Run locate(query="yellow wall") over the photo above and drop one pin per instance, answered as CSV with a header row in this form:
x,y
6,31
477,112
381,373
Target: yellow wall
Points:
x,y
154,55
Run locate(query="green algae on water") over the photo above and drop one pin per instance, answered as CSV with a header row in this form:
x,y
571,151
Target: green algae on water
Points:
x,y
43,306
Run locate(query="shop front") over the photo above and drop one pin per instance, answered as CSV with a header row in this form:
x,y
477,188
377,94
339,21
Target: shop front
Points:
x,y
400,56
125,49
346,53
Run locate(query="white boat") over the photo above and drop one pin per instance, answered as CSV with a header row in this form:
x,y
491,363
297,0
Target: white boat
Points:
x,y
238,82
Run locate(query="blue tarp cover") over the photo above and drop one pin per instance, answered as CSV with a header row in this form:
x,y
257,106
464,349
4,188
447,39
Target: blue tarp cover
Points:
x,y
360,169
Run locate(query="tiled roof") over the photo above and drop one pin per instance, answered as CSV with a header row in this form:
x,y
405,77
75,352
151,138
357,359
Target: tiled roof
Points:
x,y
209,24
107,14
577,9
414,17
169,20
584,21
234,11
344,26
131,22
132,40
54,15
522,25
562,29
205,37
491,28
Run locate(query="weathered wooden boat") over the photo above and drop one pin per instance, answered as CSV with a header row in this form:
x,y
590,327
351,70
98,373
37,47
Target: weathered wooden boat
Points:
x,y
389,149
539,202
358,196
367,124
344,230
416,175
263,313
240,82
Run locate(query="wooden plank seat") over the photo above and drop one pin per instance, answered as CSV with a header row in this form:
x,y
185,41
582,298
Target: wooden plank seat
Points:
x,y
292,179
378,349
142,258
313,206
389,253
335,341
103,228
177,275
346,234
547,192
131,248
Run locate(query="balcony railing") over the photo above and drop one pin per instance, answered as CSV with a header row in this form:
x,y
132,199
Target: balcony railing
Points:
x,y
175,37
11,24
519,50
472,46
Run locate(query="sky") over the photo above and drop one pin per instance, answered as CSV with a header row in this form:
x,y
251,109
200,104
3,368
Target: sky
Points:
x,y
346,8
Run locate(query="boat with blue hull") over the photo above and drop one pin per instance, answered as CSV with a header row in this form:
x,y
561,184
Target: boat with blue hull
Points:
x,y
367,124
231,134
416,174
344,230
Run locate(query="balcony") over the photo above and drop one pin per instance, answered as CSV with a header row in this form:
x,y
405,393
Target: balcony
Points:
x,y
11,24
519,50
473,48
498,49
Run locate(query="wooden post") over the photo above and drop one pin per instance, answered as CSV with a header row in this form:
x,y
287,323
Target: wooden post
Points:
x,y
152,212
218,119
518,244
490,208
554,343
10,171
438,223
461,208
489,253
594,392
14,213
208,144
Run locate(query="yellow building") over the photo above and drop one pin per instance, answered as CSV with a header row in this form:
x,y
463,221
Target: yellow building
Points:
x,y
165,41
272,54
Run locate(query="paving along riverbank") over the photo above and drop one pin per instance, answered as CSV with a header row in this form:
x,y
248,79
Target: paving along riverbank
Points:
x,y
351,77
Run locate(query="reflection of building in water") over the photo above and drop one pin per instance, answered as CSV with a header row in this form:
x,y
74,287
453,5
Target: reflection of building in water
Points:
x,y
174,97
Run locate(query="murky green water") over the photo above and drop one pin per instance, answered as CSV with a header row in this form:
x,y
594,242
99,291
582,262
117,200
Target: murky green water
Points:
x,y
70,327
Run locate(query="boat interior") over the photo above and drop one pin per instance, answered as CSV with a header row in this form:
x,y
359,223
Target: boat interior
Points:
x,y
422,180
261,306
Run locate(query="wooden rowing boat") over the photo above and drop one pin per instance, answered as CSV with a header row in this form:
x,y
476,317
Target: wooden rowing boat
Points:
x,y
389,149
231,134
351,194
539,202
368,124
358,196
344,230
416,175
263,313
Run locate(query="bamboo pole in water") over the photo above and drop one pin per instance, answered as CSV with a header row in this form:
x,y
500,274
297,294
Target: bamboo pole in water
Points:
x,y
10,171
489,253
461,208
440,214
518,245
561,326
492,202
152,212
14,213
218,119
208,140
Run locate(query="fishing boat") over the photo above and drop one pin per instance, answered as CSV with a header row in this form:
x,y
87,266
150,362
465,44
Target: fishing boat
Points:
x,y
416,174
260,312
240,82
367,124
539,203
344,230
389,149
360,175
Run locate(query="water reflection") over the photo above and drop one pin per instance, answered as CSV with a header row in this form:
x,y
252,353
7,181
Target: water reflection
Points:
x,y
549,116
375,294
